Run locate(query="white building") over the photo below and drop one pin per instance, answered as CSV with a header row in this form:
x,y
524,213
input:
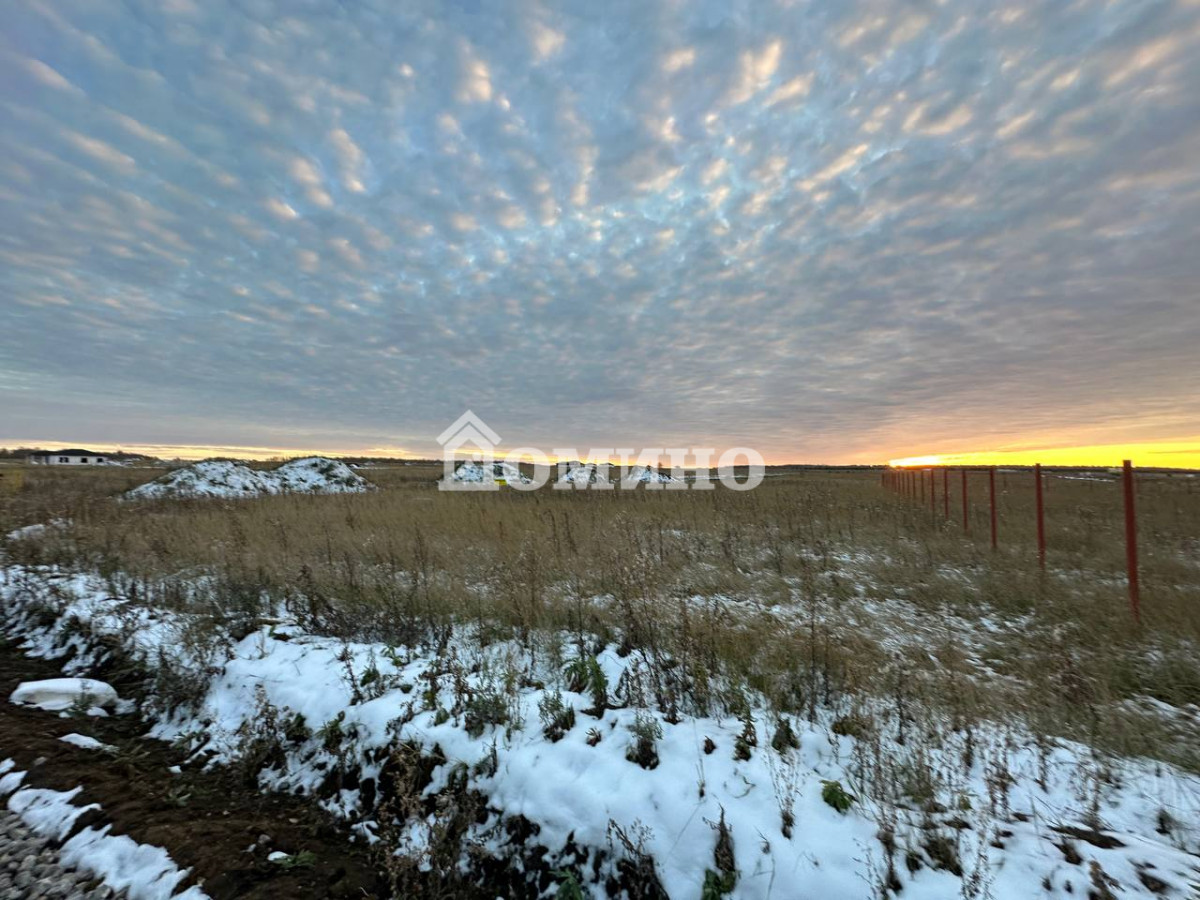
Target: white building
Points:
x,y
68,458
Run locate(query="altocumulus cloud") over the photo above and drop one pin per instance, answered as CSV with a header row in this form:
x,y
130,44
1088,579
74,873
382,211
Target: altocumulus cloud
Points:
x,y
824,229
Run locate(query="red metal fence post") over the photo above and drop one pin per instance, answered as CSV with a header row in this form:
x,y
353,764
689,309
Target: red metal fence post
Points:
x,y
946,493
992,497
966,519
1131,550
1041,514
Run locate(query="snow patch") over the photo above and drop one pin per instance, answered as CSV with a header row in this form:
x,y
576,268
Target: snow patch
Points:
x,y
32,532
47,812
144,871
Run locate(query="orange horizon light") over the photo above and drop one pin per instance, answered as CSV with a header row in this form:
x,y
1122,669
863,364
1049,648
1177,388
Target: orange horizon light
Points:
x,y
1161,454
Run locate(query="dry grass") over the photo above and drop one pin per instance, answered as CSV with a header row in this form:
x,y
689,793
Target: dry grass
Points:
x,y
812,588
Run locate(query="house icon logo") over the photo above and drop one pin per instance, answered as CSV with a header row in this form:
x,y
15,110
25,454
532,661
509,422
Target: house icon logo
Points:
x,y
469,434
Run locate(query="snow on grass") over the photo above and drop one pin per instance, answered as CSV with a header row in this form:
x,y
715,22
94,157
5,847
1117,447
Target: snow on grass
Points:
x,y
29,532
975,812
144,871
223,479
33,532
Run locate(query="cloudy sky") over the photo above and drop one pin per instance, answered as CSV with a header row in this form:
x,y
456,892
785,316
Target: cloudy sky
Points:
x,y
828,230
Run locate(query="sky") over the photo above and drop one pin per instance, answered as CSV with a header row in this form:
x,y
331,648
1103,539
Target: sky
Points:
x,y
829,231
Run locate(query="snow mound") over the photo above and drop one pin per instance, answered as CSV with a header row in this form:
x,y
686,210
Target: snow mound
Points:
x,y
58,694
318,475
217,478
211,478
647,475
583,473
480,473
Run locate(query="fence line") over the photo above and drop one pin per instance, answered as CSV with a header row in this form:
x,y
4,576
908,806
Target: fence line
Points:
x,y
909,483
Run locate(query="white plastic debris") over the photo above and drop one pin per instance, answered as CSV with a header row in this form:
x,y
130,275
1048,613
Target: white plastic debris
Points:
x,y
58,694
83,742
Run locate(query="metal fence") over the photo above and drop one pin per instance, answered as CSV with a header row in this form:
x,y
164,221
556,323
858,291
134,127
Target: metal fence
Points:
x,y
920,485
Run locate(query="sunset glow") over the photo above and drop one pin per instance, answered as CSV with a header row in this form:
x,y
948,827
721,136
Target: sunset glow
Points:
x,y
1173,455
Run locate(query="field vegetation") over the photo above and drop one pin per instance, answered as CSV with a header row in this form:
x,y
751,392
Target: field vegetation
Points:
x,y
817,589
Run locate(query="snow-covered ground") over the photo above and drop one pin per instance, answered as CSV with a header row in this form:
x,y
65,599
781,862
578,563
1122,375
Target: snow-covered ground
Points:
x,y
145,872
825,808
218,478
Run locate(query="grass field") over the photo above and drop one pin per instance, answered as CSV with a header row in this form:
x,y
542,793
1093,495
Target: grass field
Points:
x,y
816,588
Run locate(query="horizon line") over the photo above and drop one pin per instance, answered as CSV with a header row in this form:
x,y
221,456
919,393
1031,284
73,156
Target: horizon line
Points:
x,y
1182,455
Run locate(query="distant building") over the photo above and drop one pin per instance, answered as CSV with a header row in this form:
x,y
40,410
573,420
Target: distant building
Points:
x,y
68,458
